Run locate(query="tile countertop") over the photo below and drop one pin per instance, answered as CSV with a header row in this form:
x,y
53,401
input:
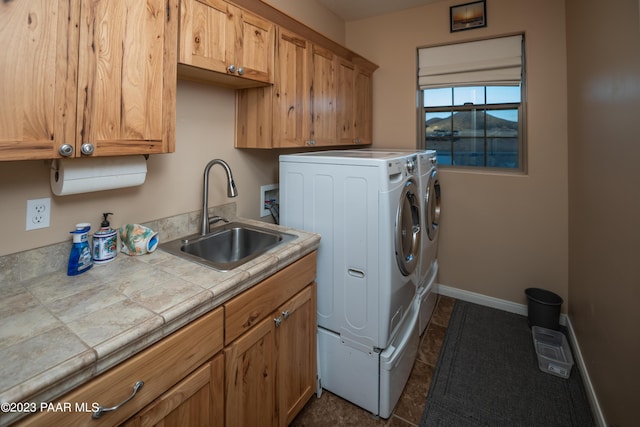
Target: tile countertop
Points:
x,y
57,332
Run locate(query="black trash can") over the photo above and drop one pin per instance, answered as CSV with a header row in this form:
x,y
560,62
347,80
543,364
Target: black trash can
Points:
x,y
543,308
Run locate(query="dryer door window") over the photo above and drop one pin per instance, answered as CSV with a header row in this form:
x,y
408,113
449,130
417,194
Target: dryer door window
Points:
x,y
408,229
432,202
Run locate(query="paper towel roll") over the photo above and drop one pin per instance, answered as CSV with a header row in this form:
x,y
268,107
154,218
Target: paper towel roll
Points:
x,y
87,174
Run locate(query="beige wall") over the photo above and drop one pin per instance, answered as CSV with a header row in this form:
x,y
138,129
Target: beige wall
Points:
x,y
205,130
603,45
500,233
314,15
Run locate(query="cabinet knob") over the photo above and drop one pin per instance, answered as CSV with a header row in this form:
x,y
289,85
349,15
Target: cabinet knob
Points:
x,y
231,68
66,150
311,142
286,314
277,321
87,148
356,140
98,413
240,71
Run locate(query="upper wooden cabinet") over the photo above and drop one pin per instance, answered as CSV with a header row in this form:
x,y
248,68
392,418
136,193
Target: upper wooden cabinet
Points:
x,y
318,99
217,37
354,103
127,76
87,77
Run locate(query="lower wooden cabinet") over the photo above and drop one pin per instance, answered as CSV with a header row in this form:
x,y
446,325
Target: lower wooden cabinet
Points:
x,y
271,370
161,366
296,347
271,367
251,378
196,401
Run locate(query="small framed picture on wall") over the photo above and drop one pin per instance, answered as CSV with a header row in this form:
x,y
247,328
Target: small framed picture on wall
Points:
x,y
468,16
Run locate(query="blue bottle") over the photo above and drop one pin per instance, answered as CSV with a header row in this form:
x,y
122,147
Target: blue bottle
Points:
x,y
80,257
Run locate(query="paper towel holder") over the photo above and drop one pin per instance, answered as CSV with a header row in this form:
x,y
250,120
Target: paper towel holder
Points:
x,y
89,174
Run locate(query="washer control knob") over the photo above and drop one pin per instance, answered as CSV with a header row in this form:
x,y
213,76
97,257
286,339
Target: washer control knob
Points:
x,y
411,166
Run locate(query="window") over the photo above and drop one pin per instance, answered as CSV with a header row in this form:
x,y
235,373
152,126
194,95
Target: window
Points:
x,y
472,103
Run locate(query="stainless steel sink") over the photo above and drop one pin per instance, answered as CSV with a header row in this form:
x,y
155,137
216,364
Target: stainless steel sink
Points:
x,y
228,246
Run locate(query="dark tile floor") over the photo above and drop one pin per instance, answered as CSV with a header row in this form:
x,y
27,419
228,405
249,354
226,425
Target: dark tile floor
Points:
x,y
331,410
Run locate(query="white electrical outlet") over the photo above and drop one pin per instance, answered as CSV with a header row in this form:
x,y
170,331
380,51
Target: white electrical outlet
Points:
x,y
38,213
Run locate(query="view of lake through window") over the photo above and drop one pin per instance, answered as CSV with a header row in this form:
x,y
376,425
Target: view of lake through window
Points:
x,y
474,126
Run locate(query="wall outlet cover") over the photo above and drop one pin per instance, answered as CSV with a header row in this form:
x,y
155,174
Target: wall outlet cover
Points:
x,y
38,213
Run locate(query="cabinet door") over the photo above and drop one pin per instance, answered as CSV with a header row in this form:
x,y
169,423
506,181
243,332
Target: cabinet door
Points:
x,y
345,105
206,34
254,117
217,36
322,95
250,378
127,76
254,47
363,107
353,104
197,401
38,80
291,109
296,342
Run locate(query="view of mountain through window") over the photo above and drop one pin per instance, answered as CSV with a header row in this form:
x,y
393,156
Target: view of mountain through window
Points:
x,y
474,126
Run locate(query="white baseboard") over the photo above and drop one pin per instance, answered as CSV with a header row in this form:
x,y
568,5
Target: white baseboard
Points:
x,y
513,307
591,393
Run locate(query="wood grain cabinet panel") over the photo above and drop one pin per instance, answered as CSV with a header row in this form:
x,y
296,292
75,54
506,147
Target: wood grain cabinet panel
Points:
x,y
271,367
251,378
127,76
318,99
79,72
290,97
224,44
39,77
354,103
296,347
322,96
196,401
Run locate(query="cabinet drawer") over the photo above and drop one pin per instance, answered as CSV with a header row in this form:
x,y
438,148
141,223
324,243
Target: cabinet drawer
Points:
x,y
160,367
253,305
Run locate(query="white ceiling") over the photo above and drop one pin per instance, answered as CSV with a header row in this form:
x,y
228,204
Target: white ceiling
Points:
x,y
352,10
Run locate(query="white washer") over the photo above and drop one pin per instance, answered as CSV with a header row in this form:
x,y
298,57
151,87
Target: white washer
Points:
x,y
366,207
428,267
429,187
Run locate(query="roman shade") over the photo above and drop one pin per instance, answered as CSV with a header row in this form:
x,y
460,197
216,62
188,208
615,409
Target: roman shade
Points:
x,y
481,63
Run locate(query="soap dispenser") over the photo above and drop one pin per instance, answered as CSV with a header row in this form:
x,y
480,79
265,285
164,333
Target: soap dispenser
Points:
x,y
80,256
105,242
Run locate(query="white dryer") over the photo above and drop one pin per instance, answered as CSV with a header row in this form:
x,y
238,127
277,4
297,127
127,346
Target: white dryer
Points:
x,y
366,207
429,185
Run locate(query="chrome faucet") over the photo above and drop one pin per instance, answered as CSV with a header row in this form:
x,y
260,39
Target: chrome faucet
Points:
x,y
231,192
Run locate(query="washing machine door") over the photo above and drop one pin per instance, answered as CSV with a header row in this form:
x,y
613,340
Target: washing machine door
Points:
x,y
408,230
432,203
